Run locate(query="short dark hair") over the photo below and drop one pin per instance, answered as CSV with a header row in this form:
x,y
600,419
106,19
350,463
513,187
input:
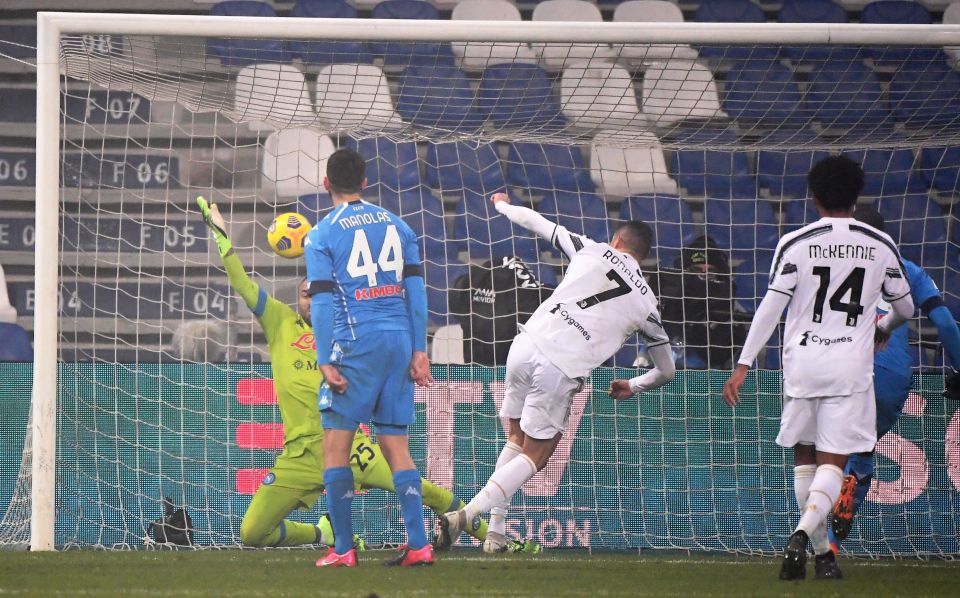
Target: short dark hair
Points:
x,y
868,215
346,170
636,237
836,183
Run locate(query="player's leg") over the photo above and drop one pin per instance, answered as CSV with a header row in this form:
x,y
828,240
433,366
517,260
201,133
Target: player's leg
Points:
x,y
798,431
338,479
264,525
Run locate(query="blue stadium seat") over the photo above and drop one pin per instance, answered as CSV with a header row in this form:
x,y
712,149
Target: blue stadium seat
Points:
x,y
456,165
393,164
815,11
240,51
485,234
746,227
893,12
18,41
16,343
18,105
951,295
941,167
403,54
733,11
327,52
519,96
784,171
669,217
544,166
314,206
21,169
582,213
717,173
844,94
926,97
750,279
424,214
799,213
888,172
919,228
438,96
763,91
439,277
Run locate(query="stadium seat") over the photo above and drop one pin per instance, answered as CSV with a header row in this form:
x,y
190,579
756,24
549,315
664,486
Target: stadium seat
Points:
x,y
16,343
763,92
393,164
327,52
243,51
816,11
8,313
747,227
439,97
476,56
733,11
926,97
18,41
888,172
637,169
679,90
784,171
845,94
447,345
403,54
892,12
18,104
484,233
272,96
919,228
439,277
314,206
556,57
750,279
582,213
356,96
669,217
295,161
600,96
519,96
941,167
464,165
799,213
719,173
951,16
423,212
544,166
644,11
951,298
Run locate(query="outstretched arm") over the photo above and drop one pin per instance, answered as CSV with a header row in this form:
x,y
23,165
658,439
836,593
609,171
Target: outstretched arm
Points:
x,y
248,290
559,236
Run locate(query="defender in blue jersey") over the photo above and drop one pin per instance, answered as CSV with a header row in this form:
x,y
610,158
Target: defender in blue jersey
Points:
x,y
892,380
369,312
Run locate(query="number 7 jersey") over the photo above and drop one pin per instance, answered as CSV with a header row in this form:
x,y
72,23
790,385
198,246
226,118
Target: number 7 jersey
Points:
x,y
602,300
835,272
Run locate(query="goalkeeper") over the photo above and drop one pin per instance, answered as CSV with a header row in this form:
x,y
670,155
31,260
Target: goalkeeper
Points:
x,y
296,480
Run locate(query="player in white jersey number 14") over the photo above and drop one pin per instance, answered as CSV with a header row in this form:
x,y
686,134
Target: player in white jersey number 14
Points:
x,y
602,300
830,275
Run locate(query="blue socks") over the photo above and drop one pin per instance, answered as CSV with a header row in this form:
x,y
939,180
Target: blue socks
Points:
x,y
407,483
339,485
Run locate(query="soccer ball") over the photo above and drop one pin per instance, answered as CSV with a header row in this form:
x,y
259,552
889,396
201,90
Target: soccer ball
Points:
x,y
287,233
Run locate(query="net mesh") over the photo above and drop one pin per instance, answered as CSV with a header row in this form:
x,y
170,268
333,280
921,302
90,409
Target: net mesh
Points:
x,y
161,381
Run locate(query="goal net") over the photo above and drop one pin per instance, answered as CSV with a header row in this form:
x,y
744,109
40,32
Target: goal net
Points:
x,y
162,376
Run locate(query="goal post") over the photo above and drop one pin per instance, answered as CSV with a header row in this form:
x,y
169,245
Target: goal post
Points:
x,y
662,504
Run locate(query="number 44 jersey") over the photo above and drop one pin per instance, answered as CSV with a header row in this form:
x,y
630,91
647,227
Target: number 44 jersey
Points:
x,y
835,272
602,300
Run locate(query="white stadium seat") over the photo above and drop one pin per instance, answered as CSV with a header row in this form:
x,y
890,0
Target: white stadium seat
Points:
x,y
355,96
447,346
600,95
637,169
295,161
556,57
272,96
645,11
476,56
680,90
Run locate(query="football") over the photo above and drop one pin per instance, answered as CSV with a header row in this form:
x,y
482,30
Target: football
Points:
x,y
287,233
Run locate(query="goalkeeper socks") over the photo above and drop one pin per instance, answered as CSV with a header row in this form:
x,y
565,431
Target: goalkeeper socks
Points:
x,y
502,485
498,513
408,485
339,484
823,494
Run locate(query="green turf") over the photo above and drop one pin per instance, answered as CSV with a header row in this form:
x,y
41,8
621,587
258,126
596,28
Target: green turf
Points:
x,y
460,573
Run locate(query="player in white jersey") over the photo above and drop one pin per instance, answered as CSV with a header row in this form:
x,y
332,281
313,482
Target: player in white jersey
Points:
x,y
602,300
831,274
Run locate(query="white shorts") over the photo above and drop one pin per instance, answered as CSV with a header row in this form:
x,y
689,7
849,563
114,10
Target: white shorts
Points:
x,y
839,425
536,393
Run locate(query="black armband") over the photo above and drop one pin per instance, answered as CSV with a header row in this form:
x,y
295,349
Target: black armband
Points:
x,y
320,286
412,270
931,304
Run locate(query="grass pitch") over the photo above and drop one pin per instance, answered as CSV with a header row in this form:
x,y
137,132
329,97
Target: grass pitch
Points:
x,y
460,573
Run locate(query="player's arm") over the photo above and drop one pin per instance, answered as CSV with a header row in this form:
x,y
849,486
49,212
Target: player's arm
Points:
x,y
559,236
896,291
660,352
927,296
415,292
321,287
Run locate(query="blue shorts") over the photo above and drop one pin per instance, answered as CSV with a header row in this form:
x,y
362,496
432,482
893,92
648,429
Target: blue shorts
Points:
x,y
892,390
379,388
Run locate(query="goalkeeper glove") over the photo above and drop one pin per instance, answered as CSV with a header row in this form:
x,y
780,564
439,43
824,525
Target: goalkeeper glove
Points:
x,y
211,215
951,386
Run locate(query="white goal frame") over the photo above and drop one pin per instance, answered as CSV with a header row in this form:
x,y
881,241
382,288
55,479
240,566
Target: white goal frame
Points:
x,y
51,25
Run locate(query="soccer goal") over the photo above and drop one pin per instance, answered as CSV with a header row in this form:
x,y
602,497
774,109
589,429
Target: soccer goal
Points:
x,y
152,379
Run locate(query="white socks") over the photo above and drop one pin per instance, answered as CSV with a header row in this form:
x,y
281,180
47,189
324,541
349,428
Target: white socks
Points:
x,y
822,493
498,512
803,476
504,482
